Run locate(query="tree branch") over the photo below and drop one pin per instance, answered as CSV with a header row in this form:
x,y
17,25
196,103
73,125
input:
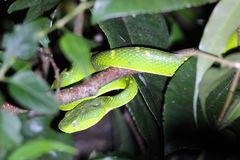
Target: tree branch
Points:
x,y
91,86
7,107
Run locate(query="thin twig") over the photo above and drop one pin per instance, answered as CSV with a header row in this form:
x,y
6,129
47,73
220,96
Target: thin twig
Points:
x,y
46,52
229,96
232,88
45,63
194,52
78,24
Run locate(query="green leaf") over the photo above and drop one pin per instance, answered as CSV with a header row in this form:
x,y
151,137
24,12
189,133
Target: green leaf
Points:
x,y
10,135
22,4
32,92
36,7
38,10
77,51
232,42
22,65
41,127
216,80
232,114
18,45
212,79
147,30
107,9
214,40
44,24
10,126
151,88
35,148
179,127
217,97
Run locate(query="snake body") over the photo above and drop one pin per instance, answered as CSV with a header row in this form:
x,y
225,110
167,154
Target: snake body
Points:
x,y
86,112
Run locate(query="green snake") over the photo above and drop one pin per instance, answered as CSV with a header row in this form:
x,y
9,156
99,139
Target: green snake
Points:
x,y
84,113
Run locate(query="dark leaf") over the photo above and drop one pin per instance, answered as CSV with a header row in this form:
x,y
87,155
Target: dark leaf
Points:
x,y
32,92
180,130
107,9
215,39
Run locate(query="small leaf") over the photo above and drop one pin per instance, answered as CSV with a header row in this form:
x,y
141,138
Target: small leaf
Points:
x,y
38,10
214,40
77,50
44,24
35,148
10,126
41,126
22,4
232,42
107,9
23,41
32,92
22,65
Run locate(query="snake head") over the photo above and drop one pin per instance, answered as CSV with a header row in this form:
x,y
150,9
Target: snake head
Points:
x,y
84,115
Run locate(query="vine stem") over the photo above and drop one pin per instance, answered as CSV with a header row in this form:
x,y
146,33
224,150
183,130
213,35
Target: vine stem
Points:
x,y
232,89
229,96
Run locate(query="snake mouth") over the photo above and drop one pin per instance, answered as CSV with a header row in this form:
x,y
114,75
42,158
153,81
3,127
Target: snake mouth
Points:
x,y
76,126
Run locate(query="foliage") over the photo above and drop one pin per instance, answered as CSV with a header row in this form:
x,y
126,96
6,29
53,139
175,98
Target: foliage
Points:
x,y
179,114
